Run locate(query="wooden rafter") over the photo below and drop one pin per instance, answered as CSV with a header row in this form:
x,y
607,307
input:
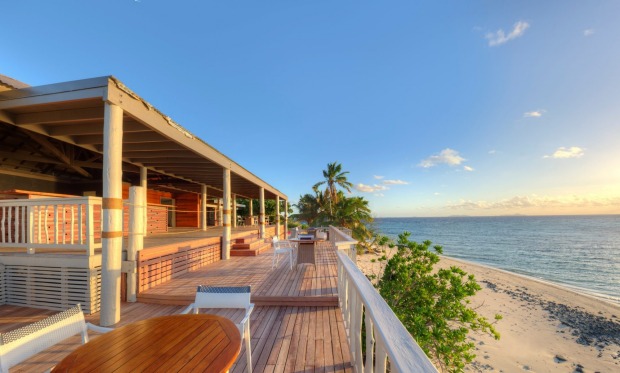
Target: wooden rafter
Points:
x,y
41,140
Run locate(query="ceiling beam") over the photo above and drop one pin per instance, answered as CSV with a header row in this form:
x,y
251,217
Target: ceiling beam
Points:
x,y
58,154
78,129
150,147
60,116
128,138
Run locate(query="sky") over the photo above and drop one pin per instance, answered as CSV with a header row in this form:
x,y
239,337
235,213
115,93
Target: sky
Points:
x,y
435,108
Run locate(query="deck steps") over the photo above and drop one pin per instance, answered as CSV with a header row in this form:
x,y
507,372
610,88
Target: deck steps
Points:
x,y
249,246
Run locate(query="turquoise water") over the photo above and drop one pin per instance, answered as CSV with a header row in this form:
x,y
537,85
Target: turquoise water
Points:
x,y
582,252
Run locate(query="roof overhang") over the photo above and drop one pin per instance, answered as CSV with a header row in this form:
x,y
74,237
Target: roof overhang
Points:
x,y
73,112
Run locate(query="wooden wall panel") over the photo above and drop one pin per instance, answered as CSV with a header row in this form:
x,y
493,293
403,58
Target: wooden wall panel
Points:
x,y
187,210
156,266
54,288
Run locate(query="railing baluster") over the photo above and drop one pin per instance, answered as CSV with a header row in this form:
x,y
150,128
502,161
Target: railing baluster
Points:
x,y
56,233
72,225
357,332
47,232
10,225
24,224
370,342
39,225
80,211
3,221
16,225
380,356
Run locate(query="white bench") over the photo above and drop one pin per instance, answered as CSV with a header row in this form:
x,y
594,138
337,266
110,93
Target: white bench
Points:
x,y
23,343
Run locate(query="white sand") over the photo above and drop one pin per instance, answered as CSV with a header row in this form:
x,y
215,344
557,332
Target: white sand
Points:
x,y
535,326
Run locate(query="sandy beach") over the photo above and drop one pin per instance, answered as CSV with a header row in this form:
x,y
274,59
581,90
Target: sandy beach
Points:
x,y
545,327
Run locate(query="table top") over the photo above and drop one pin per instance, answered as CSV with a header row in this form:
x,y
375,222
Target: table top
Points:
x,y
176,343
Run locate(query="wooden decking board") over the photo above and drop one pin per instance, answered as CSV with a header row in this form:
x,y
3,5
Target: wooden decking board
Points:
x,y
313,284
284,339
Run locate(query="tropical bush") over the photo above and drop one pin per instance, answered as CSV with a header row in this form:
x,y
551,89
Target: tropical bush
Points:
x,y
432,303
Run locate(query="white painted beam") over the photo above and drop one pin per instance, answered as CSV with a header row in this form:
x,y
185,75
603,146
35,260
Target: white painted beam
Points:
x,y
112,219
226,216
261,215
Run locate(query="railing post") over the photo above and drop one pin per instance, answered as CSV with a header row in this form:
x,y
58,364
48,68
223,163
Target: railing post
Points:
x,y
90,227
30,250
136,240
370,342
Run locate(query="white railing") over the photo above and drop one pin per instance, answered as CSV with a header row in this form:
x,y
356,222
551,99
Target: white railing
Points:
x,y
387,340
341,238
50,223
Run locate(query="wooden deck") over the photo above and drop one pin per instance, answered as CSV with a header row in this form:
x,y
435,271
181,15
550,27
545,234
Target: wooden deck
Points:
x,y
306,285
295,325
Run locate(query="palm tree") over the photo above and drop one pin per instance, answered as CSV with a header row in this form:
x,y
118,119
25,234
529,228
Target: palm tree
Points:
x,y
334,178
309,207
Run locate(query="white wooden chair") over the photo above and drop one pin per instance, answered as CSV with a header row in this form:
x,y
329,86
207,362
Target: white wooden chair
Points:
x,y
227,297
282,247
20,344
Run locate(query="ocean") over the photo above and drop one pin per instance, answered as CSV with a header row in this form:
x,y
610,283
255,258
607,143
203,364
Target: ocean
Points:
x,y
580,252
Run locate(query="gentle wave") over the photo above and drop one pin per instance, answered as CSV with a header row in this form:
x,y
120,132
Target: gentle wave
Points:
x,y
580,252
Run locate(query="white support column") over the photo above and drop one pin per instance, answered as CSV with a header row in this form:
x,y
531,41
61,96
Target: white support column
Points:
x,y
261,215
203,207
226,216
251,210
286,219
112,215
278,232
136,239
234,210
143,184
221,211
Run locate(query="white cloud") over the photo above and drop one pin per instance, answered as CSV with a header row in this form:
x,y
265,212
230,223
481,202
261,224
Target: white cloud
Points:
x,y
395,182
370,188
588,32
499,37
467,168
448,156
379,194
378,177
535,201
564,153
534,114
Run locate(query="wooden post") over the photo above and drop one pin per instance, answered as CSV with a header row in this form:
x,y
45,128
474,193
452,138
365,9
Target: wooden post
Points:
x,y
112,215
278,216
226,216
136,238
251,208
234,210
203,207
261,214
143,184
286,219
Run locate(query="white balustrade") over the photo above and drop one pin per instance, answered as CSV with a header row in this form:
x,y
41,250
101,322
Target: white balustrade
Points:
x,y
50,223
387,340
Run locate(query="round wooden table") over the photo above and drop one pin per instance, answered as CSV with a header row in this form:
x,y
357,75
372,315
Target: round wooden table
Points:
x,y
179,343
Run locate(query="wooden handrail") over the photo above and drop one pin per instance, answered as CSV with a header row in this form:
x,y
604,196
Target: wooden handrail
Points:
x,y
386,337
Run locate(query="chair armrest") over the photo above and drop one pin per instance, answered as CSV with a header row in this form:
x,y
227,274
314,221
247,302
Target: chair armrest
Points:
x,y
188,309
97,328
247,314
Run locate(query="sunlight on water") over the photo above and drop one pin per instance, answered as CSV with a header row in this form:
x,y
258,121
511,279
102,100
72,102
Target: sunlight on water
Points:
x,y
578,251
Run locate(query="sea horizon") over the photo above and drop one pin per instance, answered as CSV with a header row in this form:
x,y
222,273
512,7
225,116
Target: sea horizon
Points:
x,y
579,252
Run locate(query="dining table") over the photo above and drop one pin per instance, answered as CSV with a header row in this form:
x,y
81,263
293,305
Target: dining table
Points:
x,y
306,249
177,343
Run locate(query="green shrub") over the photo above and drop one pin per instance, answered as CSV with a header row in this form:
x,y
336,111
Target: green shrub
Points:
x,y
433,303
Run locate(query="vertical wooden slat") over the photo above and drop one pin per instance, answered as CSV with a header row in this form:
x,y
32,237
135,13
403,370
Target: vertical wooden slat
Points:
x,y
72,224
370,342
80,215
3,222
90,228
380,356
55,224
24,223
47,232
10,225
39,227
17,225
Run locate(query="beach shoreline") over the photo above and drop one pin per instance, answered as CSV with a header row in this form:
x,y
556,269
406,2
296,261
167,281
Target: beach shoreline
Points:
x,y
546,327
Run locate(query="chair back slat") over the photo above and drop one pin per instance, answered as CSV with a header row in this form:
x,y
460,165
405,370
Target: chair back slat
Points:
x,y
20,344
222,297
